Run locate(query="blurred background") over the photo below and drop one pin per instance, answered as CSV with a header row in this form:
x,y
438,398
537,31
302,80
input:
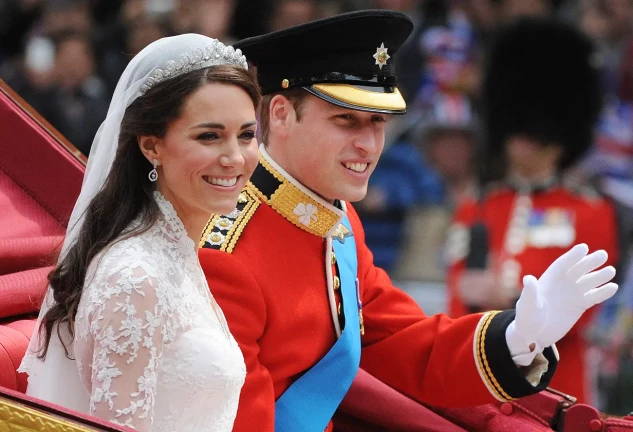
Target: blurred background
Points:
x,y
64,57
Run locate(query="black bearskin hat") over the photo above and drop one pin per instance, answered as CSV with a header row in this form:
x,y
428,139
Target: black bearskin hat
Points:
x,y
542,80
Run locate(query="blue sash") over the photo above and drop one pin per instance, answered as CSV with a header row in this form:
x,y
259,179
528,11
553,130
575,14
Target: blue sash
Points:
x,y
310,402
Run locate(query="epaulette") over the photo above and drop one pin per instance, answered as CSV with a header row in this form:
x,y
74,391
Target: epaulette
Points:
x,y
223,231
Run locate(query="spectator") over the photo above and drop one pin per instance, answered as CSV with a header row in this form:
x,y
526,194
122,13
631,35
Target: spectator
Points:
x,y
539,121
16,19
434,172
80,102
288,13
31,74
610,167
215,18
138,24
448,139
402,179
447,142
609,24
63,16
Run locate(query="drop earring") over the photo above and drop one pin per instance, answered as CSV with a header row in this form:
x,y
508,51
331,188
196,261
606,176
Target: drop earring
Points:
x,y
153,174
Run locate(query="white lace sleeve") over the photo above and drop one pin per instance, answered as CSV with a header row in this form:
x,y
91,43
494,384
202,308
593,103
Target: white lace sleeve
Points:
x,y
126,324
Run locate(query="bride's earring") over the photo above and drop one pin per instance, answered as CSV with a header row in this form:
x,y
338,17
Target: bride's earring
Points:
x,y
153,174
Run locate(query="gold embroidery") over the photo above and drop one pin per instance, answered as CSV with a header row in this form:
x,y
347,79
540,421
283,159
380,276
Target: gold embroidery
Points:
x,y
286,199
482,361
363,98
208,229
223,232
240,223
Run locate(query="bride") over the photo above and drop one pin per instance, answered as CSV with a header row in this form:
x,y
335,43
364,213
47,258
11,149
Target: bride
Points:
x,y
129,331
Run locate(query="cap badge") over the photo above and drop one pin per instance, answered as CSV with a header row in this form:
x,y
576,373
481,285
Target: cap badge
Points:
x,y
381,55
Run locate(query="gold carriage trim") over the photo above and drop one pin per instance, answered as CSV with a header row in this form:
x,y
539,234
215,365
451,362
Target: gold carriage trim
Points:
x,y
223,231
15,416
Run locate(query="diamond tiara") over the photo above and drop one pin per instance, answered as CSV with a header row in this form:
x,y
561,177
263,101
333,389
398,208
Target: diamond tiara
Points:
x,y
213,54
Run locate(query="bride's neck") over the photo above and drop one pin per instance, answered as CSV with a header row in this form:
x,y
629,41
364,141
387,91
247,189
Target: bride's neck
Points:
x,y
194,223
194,227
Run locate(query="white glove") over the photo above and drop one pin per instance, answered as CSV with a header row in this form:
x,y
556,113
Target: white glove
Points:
x,y
549,308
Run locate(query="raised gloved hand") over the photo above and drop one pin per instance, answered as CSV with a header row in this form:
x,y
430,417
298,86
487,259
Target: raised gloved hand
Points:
x,y
550,306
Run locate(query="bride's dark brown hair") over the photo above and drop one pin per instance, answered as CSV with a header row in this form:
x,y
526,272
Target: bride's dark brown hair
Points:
x,y
127,194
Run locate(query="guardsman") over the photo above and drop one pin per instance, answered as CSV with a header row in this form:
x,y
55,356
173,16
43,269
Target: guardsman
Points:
x,y
542,98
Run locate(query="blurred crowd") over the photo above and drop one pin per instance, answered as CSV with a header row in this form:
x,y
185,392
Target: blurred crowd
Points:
x,y
64,58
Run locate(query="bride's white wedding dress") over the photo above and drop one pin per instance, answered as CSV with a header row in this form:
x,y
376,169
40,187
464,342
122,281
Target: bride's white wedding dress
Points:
x,y
152,347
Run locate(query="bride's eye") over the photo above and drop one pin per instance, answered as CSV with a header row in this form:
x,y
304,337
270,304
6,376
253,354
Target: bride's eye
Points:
x,y
247,135
208,136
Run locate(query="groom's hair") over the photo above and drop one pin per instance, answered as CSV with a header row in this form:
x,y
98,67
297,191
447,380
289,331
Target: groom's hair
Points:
x,y
296,96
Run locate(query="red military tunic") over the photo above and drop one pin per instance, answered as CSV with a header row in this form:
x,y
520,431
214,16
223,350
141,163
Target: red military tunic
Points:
x,y
269,266
526,232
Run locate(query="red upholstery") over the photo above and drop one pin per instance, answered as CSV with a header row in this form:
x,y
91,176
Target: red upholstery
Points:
x,y
14,338
22,215
40,180
372,406
47,176
39,183
28,252
499,417
22,292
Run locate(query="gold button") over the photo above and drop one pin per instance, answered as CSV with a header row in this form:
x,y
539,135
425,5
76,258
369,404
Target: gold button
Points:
x,y
333,258
242,199
339,308
285,83
215,237
337,282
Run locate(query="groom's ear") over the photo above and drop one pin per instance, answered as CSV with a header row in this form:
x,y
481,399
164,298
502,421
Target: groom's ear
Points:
x,y
150,147
281,115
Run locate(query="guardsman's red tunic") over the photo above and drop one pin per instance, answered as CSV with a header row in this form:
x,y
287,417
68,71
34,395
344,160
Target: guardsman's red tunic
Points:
x,y
526,232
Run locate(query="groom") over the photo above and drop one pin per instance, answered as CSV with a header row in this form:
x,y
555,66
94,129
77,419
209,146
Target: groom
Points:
x,y
296,281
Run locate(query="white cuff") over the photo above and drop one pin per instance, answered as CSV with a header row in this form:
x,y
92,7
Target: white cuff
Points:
x,y
520,348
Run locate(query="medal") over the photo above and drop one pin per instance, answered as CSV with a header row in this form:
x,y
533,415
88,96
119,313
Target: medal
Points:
x,y
552,227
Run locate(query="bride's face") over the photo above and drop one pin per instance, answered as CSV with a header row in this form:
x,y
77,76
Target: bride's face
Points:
x,y
209,152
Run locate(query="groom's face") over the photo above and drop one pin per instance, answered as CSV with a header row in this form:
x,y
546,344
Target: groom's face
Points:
x,y
332,150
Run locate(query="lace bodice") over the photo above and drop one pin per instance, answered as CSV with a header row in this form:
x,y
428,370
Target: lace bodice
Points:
x,y
152,347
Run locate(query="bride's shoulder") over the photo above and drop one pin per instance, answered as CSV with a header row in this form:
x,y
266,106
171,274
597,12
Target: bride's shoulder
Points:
x,y
125,273
126,281
133,255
